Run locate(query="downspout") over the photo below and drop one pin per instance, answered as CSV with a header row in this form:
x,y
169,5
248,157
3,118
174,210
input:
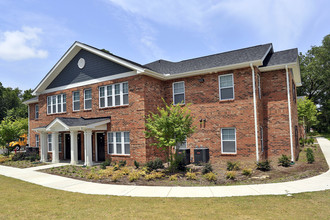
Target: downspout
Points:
x,y
255,112
289,110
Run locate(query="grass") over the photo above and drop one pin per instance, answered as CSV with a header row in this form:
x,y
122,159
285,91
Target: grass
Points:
x,y
21,200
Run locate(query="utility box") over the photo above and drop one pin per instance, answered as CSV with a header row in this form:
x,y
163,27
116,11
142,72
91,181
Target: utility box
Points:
x,y
201,155
186,155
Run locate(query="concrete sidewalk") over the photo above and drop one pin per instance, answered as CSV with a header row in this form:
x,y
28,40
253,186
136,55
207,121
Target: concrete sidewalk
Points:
x,y
317,183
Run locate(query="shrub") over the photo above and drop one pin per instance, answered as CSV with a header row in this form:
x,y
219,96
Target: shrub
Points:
x,y
310,155
125,170
105,172
207,168
247,172
150,176
231,175
115,167
191,175
136,164
232,166
302,141
116,176
4,159
210,176
18,156
264,165
155,164
106,163
133,176
284,161
173,177
122,163
310,140
178,163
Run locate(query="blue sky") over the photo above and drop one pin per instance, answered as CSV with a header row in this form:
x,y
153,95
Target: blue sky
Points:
x,y
34,34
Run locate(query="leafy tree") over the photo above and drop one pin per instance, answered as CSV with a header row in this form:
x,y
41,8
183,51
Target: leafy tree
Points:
x,y
315,74
10,129
172,125
307,113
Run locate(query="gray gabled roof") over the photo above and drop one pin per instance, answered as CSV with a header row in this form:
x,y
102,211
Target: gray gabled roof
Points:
x,y
282,57
72,122
216,60
32,100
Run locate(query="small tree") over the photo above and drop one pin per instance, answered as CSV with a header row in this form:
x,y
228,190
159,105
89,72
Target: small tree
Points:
x,y
172,125
307,113
10,130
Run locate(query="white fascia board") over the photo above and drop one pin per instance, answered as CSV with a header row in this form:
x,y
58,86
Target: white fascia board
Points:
x,y
30,102
39,129
98,124
209,70
69,55
89,82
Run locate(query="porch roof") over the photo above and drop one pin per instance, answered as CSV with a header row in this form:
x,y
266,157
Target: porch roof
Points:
x,y
66,124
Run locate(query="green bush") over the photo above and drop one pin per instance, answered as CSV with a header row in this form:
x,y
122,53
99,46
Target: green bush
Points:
x,y
284,161
310,155
154,164
191,175
310,140
231,175
18,156
210,176
136,164
264,165
178,163
247,172
207,168
122,163
302,142
106,163
232,166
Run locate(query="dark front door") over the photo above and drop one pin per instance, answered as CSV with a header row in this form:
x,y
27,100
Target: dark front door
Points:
x,y
79,146
67,146
100,147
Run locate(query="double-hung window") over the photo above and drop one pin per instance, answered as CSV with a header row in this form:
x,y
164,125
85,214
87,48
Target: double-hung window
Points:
x,y
76,100
118,143
56,104
37,140
36,111
113,95
60,142
228,140
50,142
87,99
178,93
226,87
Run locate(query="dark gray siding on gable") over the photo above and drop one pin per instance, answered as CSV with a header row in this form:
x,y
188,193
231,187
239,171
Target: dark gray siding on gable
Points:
x,y
95,67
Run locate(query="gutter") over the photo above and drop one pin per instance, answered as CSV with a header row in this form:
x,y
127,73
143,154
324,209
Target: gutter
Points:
x,y
289,110
255,112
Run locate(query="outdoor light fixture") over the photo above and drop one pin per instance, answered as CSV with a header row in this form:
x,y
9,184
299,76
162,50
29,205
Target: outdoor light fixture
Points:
x,y
201,80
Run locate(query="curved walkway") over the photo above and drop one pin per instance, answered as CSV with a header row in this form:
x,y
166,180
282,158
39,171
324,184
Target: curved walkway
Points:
x,y
317,183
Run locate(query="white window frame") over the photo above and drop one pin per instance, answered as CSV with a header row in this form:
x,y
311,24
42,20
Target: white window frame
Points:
x,y
233,86
262,138
52,104
37,140
36,111
259,86
88,99
113,95
222,152
49,142
122,141
74,101
184,93
60,145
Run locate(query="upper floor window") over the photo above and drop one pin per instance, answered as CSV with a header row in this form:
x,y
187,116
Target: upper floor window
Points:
x,y
113,95
118,143
87,99
56,104
226,87
178,93
259,86
50,142
36,111
228,140
76,101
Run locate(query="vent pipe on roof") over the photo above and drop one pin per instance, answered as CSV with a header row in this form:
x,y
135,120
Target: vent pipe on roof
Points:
x,y
255,112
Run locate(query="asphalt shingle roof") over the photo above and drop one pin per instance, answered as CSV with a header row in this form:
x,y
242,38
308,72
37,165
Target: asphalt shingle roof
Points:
x,y
282,57
81,121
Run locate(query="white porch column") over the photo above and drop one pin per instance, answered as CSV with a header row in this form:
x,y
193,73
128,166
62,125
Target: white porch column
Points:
x,y
88,147
55,150
43,147
74,147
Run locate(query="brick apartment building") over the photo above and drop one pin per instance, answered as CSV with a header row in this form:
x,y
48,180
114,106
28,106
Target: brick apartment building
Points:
x,y
92,105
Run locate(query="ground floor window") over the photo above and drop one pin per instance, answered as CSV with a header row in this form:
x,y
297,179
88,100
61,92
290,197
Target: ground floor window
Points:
x,y
37,140
50,142
118,143
60,142
228,141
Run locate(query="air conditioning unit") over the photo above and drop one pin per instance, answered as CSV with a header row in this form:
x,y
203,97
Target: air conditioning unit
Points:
x,y
201,155
186,155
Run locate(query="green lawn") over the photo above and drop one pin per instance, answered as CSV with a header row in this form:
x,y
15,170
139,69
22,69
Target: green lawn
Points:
x,y
21,200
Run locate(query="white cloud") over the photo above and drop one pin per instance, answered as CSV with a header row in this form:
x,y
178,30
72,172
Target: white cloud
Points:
x,y
21,44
